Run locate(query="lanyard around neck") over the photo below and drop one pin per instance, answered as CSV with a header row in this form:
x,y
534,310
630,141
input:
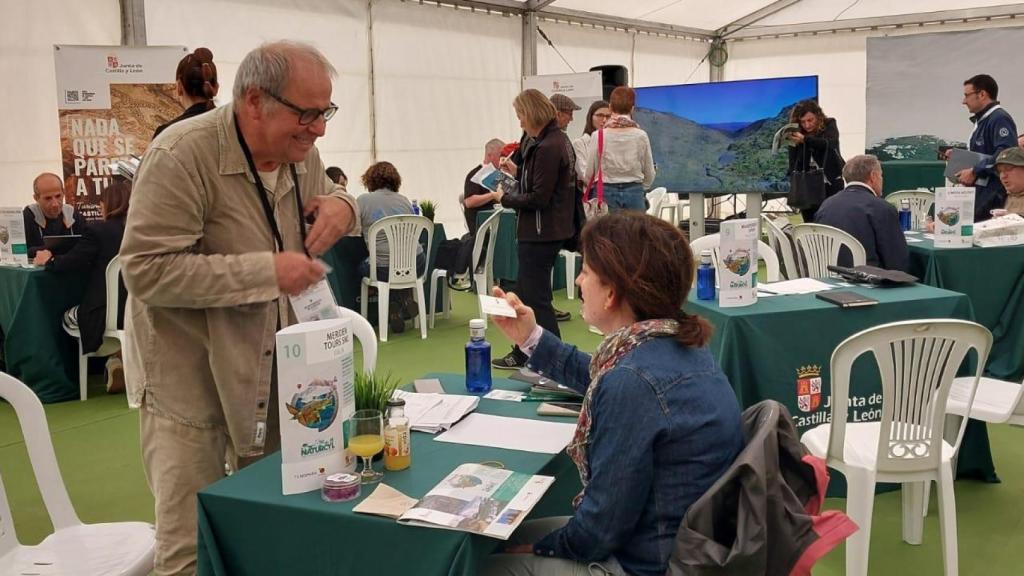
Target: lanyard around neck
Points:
x,y
261,191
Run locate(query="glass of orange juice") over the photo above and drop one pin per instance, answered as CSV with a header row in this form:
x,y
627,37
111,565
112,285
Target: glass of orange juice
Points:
x,y
366,439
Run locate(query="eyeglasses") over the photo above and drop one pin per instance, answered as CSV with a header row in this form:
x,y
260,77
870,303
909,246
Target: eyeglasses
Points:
x,y
601,115
966,94
307,115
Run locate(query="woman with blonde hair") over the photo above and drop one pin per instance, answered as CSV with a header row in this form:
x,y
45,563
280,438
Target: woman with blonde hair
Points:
x,y
621,157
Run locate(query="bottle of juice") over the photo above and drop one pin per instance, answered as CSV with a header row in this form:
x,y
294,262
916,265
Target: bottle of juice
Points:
x,y
397,445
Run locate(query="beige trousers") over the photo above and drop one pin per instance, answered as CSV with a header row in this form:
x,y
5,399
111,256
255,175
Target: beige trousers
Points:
x,y
180,461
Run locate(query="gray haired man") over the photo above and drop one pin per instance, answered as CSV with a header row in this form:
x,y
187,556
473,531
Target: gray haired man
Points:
x,y
217,235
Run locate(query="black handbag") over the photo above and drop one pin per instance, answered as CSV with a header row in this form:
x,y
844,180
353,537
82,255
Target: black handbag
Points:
x,y
808,188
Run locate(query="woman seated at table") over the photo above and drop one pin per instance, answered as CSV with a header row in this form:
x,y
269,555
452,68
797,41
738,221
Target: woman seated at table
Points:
x,y
659,424
100,242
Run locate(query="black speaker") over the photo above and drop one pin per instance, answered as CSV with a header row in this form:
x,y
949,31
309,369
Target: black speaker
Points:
x,y
612,76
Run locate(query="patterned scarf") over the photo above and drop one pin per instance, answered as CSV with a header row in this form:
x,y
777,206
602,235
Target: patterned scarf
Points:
x,y
612,349
620,121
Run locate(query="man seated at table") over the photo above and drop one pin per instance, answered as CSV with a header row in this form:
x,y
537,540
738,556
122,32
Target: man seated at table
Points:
x,y
475,197
859,210
49,215
1010,166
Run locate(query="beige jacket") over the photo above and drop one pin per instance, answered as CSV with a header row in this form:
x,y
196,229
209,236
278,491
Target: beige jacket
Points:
x,y
197,259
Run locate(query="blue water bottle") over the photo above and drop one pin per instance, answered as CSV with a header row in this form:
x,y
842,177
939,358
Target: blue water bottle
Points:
x,y
478,359
904,215
415,208
706,277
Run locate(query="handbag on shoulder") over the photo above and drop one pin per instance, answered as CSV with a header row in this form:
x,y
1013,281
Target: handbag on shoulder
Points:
x,y
808,188
595,207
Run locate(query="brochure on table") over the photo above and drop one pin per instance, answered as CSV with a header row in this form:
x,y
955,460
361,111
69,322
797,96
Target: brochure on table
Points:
x,y
954,217
737,251
479,499
315,377
1005,230
13,248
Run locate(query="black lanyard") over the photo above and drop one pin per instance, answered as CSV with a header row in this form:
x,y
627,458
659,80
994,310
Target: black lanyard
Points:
x,y
261,191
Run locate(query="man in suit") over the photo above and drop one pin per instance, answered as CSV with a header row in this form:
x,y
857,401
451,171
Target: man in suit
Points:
x,y
49,215
860,211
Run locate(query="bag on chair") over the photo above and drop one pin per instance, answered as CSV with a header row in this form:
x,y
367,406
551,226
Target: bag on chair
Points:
x,y
595,207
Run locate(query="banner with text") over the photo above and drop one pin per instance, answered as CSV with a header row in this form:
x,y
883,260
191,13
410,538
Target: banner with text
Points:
x,y
110,99
583,87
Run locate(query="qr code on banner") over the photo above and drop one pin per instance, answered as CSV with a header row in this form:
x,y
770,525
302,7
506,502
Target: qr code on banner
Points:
x,y
71,95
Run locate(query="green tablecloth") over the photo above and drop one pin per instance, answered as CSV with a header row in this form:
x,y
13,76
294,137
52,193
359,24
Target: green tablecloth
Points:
x,y
912,174
993,279
36,348
764,349
506,255
247,527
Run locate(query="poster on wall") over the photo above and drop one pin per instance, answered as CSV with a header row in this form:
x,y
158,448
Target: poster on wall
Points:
x,y
584,88
110,99
915,88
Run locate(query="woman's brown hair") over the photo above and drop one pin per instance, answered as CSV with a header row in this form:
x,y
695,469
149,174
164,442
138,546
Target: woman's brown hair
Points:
x,y
649,265
382,175
622,100
116,197
198,75
588,128
802,108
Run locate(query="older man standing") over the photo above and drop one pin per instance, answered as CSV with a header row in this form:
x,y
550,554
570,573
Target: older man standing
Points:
x,y
49,215
216,237
860,211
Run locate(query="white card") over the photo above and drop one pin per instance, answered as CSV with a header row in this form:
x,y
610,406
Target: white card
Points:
x,y
510,395
315,303
496,306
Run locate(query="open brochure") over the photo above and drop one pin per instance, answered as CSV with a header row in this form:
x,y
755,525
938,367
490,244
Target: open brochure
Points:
x,y
479,499
433,413
781,137
494,180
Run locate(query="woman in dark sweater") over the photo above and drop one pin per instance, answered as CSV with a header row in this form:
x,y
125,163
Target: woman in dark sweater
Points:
x,y
196,85
100,243
544,201
816,145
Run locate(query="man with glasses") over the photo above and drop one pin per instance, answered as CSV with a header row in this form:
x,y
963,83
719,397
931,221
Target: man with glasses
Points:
x,y
994,131
230,211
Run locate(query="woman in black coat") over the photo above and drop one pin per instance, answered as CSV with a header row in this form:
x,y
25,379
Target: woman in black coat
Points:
x,y
546,205
196,85
816,145
99,244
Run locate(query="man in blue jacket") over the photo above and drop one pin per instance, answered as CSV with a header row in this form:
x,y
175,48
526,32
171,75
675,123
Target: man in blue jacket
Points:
x,y
859,211
994,131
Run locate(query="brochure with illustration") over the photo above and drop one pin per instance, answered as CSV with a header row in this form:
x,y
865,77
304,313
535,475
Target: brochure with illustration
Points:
x,y
954,217
494,180
737,251
13,247
479,499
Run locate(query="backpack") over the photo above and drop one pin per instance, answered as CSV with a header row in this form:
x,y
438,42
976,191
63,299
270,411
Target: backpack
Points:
x,y
455,256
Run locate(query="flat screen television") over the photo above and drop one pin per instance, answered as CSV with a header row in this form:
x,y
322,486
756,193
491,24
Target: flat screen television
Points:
x,y
717,137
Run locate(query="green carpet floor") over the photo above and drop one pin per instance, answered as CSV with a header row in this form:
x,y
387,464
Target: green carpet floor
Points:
x,y
97,445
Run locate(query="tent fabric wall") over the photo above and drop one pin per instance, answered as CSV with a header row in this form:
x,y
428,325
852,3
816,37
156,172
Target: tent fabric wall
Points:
x,y
30,140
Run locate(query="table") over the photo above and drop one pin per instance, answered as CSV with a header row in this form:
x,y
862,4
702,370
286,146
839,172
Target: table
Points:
x,y
765,348
993,279
247,527
36,349
912,174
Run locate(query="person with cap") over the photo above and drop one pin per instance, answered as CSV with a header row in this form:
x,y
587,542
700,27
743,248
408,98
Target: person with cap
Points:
x,y
622,156
564,106
860,211
1010,166
994,131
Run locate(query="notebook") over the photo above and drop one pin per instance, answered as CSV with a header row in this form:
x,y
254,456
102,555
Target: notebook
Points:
x,y
845,299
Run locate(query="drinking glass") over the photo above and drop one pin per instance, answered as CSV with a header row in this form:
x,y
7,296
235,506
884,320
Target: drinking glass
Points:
x,y
365,439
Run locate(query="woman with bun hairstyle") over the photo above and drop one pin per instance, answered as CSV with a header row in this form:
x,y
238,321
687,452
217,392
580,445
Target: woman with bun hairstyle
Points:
x,y
196,85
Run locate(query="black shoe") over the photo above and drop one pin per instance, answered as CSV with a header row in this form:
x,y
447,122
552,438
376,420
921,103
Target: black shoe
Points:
x,y
514,360
396,324
562,316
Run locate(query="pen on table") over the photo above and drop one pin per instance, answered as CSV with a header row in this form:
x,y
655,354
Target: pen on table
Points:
x,y
562,399
759,289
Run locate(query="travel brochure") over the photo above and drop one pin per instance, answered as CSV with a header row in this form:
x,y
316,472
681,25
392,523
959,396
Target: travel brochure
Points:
x,y
13,248
954,217
495,180
738,253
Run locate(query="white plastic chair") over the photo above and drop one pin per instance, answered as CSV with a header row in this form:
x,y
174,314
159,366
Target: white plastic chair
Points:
x,y
483,243
819,244
403,236
711,242
917,361
656,199
439,277
672,208
779,241
995,401
73,548
112,336
920,201
363,331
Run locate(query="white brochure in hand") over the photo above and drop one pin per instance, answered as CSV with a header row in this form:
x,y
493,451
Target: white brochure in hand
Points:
x,y
496,306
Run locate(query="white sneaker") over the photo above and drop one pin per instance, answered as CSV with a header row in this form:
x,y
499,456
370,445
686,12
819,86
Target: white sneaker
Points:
x,y
595,331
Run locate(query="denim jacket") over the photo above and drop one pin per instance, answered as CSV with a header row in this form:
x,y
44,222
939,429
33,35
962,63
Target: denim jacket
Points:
x,y
666,425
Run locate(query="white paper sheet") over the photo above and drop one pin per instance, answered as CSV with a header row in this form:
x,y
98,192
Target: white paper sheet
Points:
x,y
510,433
798,286
496,306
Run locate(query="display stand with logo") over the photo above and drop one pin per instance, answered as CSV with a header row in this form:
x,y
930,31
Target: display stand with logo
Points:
x,y
13,248
737,253
954,217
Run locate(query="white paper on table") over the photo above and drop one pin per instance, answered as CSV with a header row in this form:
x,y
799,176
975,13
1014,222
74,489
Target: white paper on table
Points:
x,y
510,433
912,239
928,236
496,306
798,286
432,413
510,395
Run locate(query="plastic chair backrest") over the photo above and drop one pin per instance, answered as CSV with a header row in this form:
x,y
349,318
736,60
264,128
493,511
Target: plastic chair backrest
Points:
x,y
113,275
711,242
29,411
363,331
403,234
820,246
485,239
917,361
920,201
656,197
779,240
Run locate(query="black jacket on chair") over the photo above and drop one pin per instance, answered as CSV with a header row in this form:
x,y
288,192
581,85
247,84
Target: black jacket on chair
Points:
x,y
100,242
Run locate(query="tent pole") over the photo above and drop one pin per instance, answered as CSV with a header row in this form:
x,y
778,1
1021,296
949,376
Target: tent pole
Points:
x,y
529,44
371,82
133,22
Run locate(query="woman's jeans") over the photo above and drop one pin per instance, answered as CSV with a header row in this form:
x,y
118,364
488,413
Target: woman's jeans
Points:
x,y
530,565
625,196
